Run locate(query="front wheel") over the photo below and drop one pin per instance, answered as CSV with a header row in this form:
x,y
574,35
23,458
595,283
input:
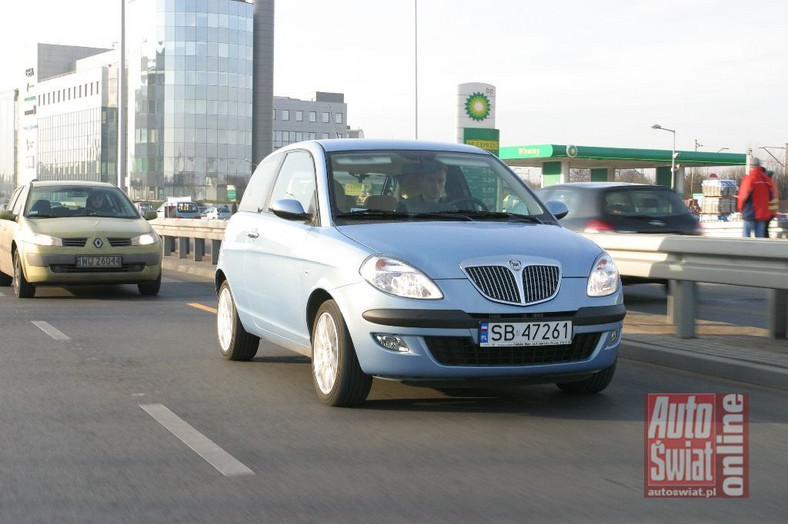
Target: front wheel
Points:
x,y
338,378
234,342
5,280
151,288
593,384
22,288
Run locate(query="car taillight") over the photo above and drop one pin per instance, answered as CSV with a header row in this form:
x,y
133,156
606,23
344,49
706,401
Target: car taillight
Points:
x,y
598,226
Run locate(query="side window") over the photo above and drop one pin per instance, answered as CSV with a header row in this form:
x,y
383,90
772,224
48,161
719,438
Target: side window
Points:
x,y
17,206
259,185
13,198
297,180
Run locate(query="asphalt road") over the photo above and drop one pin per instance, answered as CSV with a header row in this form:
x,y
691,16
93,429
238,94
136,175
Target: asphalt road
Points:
x,y
119,408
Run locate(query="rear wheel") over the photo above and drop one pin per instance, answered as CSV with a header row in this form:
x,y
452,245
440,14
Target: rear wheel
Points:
x,y
338,378
593,384
234,342
22,288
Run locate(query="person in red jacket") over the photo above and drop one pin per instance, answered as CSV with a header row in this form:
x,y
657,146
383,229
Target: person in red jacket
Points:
x,y
753,200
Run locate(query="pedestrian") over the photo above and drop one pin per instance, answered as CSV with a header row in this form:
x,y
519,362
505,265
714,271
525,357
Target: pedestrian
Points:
x,y
774,203
753,200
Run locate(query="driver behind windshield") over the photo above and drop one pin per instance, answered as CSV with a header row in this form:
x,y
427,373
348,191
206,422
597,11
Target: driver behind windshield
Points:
x,y
430,182
98,203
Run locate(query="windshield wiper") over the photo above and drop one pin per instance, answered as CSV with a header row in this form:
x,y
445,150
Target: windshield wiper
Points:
x,y
366,213
498,215
41,215
442,215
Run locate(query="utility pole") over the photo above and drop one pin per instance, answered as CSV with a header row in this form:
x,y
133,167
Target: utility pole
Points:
x,y
122,138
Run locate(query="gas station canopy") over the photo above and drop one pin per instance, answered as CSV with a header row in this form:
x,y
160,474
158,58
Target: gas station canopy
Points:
x,y
590,157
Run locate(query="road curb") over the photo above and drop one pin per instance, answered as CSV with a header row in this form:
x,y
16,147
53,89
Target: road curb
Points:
x,y
717,366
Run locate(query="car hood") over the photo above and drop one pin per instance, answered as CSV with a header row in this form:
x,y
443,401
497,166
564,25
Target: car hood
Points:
x,y
71,227
438,248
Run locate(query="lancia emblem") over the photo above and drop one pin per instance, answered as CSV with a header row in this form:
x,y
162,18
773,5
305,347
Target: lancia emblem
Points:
x,y
515,265
98,243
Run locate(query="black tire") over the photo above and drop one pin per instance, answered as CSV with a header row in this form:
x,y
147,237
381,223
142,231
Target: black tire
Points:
x,y
5,280
336,373
150,288
593,384
22,288
234,342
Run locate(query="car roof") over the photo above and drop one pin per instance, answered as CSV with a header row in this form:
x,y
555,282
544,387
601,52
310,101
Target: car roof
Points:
x,y
71,183
603,185
372,144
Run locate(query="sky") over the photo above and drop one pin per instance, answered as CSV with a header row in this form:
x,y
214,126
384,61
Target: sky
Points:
x,y
594,73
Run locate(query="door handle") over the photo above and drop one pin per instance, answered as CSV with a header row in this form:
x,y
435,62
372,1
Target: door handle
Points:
x,y
253,234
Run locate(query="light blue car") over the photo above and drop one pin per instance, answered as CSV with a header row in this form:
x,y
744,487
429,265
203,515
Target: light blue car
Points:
x,y
427,263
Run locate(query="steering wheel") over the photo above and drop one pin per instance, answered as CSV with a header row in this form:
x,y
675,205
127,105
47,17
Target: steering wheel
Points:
x,y
474,201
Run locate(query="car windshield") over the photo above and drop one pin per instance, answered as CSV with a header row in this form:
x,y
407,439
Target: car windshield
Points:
x,y
647,201
404,185
53,201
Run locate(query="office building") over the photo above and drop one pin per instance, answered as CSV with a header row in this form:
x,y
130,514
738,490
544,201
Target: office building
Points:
x,y
189,105
321,115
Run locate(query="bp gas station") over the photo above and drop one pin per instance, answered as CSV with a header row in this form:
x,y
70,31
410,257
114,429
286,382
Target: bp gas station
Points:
x,y
476,126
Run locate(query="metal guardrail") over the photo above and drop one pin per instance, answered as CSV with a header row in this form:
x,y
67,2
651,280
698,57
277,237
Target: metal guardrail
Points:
x,y
190,236
685,261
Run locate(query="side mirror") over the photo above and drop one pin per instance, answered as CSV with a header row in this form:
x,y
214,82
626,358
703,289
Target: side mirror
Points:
x,y
150,215
290,209
7,214
557,208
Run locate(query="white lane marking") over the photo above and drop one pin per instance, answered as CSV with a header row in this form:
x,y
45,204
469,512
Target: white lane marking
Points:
x,y
49,330
225,463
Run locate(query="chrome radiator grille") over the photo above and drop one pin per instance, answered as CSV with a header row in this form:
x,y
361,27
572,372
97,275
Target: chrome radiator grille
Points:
x,y
534,283
539,282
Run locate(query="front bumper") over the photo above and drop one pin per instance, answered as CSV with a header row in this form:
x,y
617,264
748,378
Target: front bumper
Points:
x,y
139,264
443,342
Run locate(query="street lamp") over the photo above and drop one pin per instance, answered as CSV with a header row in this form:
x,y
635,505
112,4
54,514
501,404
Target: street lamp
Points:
x,y
673,156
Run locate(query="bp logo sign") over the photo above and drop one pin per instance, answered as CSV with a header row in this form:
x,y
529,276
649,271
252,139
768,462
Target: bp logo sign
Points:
x,y
477,106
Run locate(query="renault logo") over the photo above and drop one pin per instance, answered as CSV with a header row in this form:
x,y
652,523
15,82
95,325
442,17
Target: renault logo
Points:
x,y
515,265
98,243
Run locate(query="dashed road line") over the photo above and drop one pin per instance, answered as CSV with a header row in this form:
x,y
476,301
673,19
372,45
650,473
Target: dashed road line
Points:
x,y
224,463
47,328
197,305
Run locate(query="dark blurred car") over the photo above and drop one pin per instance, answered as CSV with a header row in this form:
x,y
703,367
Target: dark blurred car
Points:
x,y
618,207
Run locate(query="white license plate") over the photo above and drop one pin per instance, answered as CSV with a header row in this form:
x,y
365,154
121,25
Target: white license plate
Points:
x,y
497,334
99,261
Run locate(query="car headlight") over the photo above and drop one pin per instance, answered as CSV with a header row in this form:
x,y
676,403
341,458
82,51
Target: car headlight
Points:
x,y
603,279
398,278
40,239
147,239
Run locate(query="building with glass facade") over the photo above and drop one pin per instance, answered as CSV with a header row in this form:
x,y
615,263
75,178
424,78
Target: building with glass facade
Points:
x,y
190,97
199,111
76,122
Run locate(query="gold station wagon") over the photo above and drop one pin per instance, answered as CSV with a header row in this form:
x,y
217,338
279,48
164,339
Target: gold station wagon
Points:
x,y
76,233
